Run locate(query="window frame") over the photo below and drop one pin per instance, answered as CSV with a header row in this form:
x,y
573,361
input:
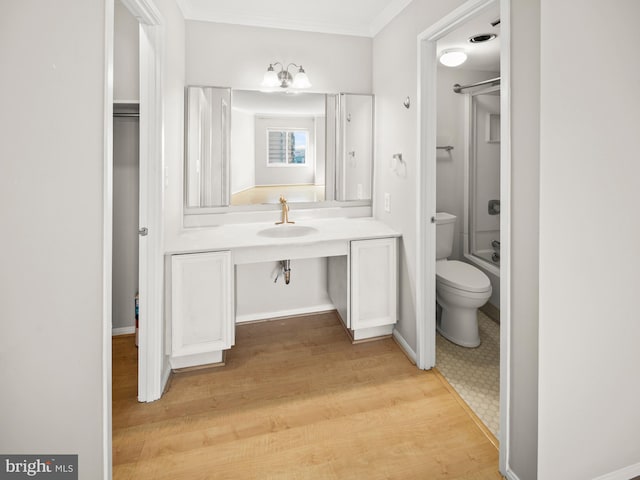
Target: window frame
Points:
x,y
288,130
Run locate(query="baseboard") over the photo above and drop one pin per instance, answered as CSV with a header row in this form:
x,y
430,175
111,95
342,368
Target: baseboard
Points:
x,y
166,376
511,476
253,317
404,346
626,473
243,190
123,331
491,311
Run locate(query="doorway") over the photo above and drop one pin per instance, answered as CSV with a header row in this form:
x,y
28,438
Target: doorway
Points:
x,y
427,204
467,180
150,271
150,265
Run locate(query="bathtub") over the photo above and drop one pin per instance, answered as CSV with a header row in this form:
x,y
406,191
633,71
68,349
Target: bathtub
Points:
x,y
491,269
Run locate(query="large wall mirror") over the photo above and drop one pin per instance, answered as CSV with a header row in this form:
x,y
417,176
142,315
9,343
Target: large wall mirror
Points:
x,y
246,148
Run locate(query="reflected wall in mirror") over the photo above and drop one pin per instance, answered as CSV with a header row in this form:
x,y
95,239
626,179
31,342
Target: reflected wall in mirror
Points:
x,y
354,161
208,112
278,146
312,148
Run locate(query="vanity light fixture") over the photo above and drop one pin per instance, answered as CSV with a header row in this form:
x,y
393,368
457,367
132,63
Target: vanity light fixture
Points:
x,y
453,57
284,79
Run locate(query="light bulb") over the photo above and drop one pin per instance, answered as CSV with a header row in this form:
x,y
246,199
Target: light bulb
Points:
x,y
301,80
270,78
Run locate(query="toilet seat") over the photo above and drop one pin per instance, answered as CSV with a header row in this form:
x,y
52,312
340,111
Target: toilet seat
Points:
x,y
462,276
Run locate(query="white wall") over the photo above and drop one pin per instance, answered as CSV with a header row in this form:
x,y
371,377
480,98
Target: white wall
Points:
x,y
126,55
52,212
589,236
243,151
395,71
289,174
238,56
307,290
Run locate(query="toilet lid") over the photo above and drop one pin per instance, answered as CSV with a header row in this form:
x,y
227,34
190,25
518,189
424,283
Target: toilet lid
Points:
x,y
462,276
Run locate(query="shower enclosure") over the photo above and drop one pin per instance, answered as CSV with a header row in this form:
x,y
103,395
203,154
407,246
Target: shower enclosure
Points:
x,y
482,205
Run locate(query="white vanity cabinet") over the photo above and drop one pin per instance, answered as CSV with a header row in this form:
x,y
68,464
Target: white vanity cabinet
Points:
x,y
202,313
362,279
373,283
364,287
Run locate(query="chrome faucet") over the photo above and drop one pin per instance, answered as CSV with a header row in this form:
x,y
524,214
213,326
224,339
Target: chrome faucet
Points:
x,y
285,211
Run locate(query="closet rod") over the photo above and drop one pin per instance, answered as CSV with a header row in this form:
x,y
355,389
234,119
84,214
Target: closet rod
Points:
x,y
448,148
126,115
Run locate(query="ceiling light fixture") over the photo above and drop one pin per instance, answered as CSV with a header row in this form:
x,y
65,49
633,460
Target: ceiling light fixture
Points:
x,y
283,78
453,57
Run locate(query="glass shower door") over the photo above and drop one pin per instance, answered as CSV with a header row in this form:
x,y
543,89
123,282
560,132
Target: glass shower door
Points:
x,y
484,176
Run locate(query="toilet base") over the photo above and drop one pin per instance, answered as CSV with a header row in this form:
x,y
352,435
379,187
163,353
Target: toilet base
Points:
x,y
459,325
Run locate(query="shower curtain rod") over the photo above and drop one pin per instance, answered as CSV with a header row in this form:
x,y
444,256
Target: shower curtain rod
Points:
x,y
492,81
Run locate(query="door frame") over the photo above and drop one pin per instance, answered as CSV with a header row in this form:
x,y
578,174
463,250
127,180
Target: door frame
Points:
x,y
151,278
150,356
426,239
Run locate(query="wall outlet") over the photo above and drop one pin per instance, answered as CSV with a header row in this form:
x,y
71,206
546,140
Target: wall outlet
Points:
x,y
387,202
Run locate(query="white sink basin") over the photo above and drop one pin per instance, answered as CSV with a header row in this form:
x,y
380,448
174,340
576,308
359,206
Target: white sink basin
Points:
x,y
287,231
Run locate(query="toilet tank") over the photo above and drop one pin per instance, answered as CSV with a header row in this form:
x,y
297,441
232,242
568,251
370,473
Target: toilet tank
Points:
x,y
445,225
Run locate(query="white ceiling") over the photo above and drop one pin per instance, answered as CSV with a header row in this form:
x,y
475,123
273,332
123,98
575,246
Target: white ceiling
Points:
x,y
480,56
347,17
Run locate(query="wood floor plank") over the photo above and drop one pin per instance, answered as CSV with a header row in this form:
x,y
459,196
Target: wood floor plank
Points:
x,y
296,400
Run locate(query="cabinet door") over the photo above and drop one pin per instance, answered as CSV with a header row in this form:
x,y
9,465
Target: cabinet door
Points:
x,y
373,283
202,303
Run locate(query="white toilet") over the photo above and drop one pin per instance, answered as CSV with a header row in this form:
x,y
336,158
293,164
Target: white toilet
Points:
x,y
460,289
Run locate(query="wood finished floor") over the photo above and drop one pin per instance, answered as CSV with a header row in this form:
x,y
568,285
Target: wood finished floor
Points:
x,y
271,194
296,401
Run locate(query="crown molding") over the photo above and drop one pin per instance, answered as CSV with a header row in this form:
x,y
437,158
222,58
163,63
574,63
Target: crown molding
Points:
x,y
304,25
264,21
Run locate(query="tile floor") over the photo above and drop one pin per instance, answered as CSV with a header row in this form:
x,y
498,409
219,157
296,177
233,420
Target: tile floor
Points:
x,y
475,372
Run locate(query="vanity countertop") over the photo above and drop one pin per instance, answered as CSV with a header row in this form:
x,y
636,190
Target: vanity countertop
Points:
x,y
255,235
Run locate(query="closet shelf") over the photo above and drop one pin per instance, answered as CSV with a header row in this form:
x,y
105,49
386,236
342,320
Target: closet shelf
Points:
x,y
126,108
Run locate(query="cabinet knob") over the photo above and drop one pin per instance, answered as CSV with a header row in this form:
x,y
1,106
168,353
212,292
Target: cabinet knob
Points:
x,y
143,232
